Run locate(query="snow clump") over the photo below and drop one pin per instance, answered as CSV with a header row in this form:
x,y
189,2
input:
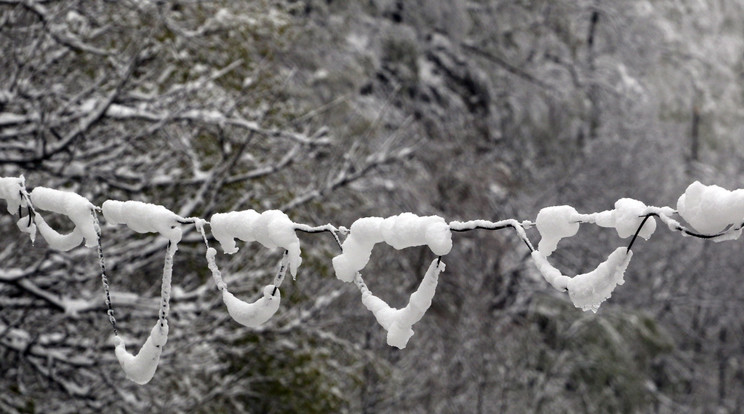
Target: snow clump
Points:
x,y
555,223
143,218
141,368
271,228
10,191
253,314
587,291
72,205
709,209
626,217
401,231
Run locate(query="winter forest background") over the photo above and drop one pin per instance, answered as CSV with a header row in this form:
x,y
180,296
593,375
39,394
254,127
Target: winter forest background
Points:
x,y
334,110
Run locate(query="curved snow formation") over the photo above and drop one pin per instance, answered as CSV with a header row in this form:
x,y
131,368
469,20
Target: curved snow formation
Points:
x,y
141,368
401,231
587,291
398,322
72,205
143,218
272,228
253,314
709,209
57,241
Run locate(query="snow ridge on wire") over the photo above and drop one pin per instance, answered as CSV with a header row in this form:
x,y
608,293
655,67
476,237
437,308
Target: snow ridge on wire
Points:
x,y
711,212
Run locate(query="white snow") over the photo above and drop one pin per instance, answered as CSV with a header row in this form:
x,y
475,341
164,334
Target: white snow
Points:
x,y
253,314
143,218
10,191
212,265
226,227
70,204
401,231
24,227
709,209
62,242
141,368
555,223
398,322
587,291
550,273
272,229
626,217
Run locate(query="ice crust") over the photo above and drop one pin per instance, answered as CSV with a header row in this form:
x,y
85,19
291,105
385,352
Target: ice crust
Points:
x,y
401,231
253,314
10,191
271,228
143,218
141,368
398,322
709,209
72,205
555,223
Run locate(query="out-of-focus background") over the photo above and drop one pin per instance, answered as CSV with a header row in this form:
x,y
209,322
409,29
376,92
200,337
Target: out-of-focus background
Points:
x,y
335,110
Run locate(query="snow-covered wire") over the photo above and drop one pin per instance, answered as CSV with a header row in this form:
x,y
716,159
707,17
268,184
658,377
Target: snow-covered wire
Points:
x,y
104,278
699,207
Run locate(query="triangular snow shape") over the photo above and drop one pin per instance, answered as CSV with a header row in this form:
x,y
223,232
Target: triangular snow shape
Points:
x,y
398,322
587,291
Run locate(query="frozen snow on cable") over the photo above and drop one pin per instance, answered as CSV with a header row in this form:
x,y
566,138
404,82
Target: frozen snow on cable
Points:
x,y
408,230
555,223
587,291
141,368
253,314
550,273
74,206
62,242
143,218
398,322
709,209
357,248
226,227
626,217
271,228
401,231
10,191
